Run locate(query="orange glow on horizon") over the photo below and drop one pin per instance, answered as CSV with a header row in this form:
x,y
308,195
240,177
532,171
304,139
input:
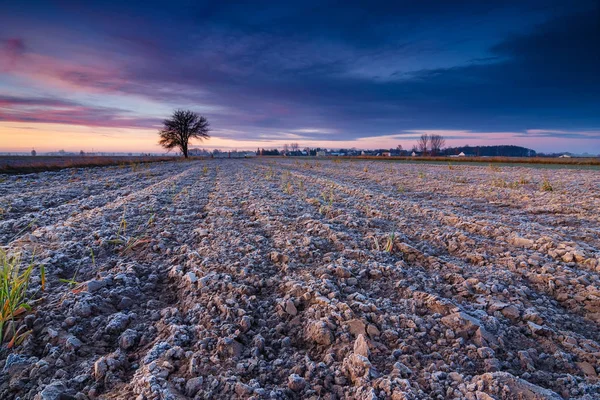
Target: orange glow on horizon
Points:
x,y
45,137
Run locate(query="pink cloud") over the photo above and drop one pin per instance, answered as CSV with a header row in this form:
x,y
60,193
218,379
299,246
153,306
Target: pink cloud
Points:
x,y
10,53
41,110
98,74
101,77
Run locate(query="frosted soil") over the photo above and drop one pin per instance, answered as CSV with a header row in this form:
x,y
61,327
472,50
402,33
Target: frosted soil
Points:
x,y
312,279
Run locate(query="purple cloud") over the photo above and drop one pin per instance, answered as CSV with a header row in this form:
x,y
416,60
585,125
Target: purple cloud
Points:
x,y
44,110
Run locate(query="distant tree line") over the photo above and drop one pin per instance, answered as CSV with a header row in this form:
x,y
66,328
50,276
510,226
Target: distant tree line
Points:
x,y
490,151
427,145
268,152
292,150
184,125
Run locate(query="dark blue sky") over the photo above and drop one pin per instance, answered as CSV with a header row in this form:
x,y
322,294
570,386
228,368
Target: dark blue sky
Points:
x,y
336,73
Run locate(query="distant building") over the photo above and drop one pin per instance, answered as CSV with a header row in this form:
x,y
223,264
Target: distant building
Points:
x,y
320,154
565,156
386,154
462,154
413,154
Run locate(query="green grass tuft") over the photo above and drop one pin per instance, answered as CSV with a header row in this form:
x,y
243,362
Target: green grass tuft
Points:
x,y
389,246
14,282
546,186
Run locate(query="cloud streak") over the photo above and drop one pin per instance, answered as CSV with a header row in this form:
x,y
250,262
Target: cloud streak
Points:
x,y
44,110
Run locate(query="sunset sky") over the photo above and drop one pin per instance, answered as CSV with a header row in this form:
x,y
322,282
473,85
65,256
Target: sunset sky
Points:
x,y
101,75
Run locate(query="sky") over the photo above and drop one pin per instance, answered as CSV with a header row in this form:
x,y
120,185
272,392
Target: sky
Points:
x,y
102,75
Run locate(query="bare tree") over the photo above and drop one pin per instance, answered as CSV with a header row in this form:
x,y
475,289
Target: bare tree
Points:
x,y
180,128
286,148
437,142
294,146
399,147
423,143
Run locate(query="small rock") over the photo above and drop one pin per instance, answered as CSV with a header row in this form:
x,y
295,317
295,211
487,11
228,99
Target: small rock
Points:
x,y
95,285
193,385
361,347
356,327
277,257
296,383
125,303
117,323
128,339
15,362
83,309
455,376
372,330
523,242
230,347
538,329
54,391
245,323
462,323
342,272
511,312
485,352
73,344
205,281
242,390
479,395
358,367
513,384
191,277
375,273
100,368
402,370
588,369
567,257
290,308
320,333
